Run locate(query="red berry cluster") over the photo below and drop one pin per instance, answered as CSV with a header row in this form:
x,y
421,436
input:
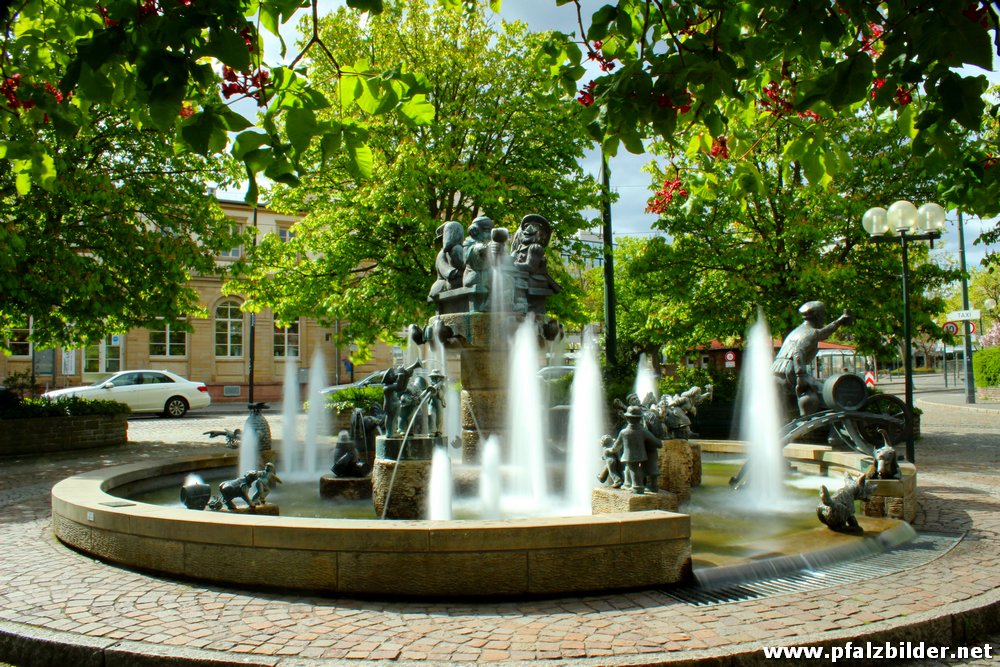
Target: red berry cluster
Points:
x,y
666,102
186,111
662,198
586,96
902,96
10,86
244,83
991,161
877,85
720,149
868,41
978,14
108,21
810,114
777,103
602,62
147,8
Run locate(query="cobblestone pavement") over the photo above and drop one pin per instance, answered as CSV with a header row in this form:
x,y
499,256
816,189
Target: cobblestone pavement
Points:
x,y
55,594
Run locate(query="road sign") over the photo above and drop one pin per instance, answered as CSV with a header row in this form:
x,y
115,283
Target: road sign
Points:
x,y
870,378
730,356
951,328
972,327
971,314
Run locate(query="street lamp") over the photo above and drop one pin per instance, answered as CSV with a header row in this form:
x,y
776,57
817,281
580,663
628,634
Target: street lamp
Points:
x,y
901,223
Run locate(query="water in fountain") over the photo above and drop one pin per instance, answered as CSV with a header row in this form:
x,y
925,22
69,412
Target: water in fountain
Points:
x,y
645,379
412,351
489,478
316,417
526,458
289,413
249,448
440,492
586,426
760,422
499,309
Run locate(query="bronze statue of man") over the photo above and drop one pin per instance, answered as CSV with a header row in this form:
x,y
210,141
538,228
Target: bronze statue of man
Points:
x,y
798,351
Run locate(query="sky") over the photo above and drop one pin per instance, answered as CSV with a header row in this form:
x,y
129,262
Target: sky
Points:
x,y
627,177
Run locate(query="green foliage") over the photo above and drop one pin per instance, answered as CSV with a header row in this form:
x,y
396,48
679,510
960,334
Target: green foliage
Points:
x,y
350,398
35,408
687,67
785,241
21,383
986,367
113,242
725,384
494,145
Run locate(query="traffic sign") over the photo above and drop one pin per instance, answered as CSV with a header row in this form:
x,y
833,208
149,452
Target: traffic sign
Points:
x,y
870,378
730,356
951,328
971,314
972,327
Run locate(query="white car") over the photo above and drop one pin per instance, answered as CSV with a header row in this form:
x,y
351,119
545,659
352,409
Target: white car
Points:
x,y
144,391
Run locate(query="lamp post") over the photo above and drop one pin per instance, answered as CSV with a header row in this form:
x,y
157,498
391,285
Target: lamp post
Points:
x,y
902,223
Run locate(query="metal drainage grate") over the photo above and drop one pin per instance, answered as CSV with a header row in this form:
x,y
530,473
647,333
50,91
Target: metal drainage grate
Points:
x,y
923,549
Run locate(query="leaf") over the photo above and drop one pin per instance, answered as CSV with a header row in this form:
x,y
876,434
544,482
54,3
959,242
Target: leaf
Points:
x,y
417,111
228,46
23,183
373,6
300,125
248,141
961,98
330,143
204,132
360,161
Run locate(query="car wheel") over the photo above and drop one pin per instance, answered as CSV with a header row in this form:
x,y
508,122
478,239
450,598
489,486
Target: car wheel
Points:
x,y
175,407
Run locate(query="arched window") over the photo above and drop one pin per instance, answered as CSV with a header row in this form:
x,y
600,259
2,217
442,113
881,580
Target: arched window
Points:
x,y
228,330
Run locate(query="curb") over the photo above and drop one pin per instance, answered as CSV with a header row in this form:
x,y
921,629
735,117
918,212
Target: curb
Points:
x,y
960,406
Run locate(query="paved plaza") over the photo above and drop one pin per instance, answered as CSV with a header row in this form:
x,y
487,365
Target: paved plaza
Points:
x,y
60,607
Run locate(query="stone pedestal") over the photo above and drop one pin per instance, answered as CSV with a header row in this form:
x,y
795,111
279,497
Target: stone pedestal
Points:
x,y
406,495
347,488
606,500
403,490
680,467
484,377
895,498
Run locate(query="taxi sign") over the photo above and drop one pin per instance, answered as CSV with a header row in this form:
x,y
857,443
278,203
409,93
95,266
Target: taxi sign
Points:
x,y
971,314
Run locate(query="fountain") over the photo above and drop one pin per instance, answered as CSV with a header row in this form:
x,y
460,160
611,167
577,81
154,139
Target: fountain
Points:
x,y
557,541
645,379
764,490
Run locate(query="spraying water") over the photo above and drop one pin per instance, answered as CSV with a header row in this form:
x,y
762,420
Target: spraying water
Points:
x,y
525,422
316,417
760,422
289,412
489,479
440,492
645,379
249,448
586,426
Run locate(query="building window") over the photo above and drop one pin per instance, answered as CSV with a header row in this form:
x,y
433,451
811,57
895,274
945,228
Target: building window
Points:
x,y
104,357
285,234
19,344
166,341
286,341
237,252
228,330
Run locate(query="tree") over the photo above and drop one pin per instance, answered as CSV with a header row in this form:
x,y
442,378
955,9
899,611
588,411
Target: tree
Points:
x,y
757,233
497,145
671,67
112,242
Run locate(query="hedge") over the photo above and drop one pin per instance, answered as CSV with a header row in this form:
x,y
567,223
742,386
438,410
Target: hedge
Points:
x,y
986,367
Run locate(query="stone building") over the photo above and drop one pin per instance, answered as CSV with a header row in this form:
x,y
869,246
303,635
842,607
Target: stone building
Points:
x,y
217,351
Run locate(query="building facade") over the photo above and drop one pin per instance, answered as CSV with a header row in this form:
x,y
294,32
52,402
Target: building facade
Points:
x,y
218,349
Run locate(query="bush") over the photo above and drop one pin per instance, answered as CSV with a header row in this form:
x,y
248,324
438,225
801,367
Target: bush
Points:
x,y
34,408
725,384
22,384
355,397
986,367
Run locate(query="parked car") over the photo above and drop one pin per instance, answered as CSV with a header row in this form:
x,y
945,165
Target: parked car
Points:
x,y
144,391
368,380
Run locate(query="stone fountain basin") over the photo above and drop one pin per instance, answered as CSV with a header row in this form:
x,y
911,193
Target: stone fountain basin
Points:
x,y
547,556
